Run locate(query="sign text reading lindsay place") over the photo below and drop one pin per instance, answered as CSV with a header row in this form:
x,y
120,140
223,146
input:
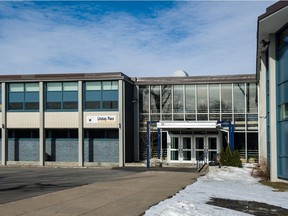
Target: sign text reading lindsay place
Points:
x,y
97,119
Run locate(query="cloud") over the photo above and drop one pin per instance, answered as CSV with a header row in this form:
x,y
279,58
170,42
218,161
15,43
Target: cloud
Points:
x,y
203,38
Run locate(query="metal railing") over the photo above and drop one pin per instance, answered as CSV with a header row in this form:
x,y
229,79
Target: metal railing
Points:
x,y
202,161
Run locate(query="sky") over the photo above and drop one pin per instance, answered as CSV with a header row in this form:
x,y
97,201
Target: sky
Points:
x,y
138,38
227,183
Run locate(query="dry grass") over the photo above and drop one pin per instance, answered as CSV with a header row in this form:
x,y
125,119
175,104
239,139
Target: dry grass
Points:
x,y
261,170
278,186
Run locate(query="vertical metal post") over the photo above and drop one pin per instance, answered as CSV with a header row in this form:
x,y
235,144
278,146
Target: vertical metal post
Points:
x,y
159,143
148,145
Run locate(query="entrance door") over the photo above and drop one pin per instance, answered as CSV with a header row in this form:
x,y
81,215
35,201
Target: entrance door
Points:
x,y
207,144
181,149
199,146
212,147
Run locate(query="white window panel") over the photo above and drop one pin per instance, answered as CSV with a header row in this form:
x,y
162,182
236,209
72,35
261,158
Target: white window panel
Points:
x,y
90,86
57,86
70,86
32,87
16,87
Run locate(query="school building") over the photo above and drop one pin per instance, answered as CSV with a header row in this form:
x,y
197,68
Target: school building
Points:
x,y
101,118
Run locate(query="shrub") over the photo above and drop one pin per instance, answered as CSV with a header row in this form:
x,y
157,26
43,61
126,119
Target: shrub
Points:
x,y
262,170
229,158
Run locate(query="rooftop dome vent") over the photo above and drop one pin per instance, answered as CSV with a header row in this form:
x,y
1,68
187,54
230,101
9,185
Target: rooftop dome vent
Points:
x,y
180,73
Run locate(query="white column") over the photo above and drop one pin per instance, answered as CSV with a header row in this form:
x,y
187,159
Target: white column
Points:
x,y
121,104
273,108
4,130
42,126
80,125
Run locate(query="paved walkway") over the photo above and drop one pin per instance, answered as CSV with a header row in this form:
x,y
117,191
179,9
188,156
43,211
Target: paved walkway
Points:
x,y
129,195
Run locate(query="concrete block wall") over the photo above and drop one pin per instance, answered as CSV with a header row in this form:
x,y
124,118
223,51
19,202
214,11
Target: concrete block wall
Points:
x,y
23,149
101,150
62,150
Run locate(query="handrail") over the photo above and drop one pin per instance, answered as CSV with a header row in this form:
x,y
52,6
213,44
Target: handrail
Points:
x,y
202,160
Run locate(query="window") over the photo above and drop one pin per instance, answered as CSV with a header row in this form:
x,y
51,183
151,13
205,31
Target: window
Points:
x,y
202,99
101,95
252,98
144,99
226,98
23,97
155,99
239,97
62,96
214,98
190,99
284,112
178,99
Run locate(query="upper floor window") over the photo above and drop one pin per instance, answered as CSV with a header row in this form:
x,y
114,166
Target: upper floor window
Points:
x,y
62,96
23,97
101,95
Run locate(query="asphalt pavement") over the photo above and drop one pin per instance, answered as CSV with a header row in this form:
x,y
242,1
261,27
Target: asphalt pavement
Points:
x,y
88,191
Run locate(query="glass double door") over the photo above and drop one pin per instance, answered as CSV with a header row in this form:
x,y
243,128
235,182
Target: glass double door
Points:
x,y
190,149
206,144
181,148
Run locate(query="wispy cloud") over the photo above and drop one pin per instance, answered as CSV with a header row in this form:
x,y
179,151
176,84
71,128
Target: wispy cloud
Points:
x,y
203,38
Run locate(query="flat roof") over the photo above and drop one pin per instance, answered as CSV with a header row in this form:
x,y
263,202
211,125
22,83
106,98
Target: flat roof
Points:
x,y
195,79
65,77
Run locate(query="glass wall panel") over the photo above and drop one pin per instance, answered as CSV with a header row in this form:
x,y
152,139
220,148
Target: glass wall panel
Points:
x,y
32,87
70,86
226,98
214,98
252,98
227,117
190,99
202,99
202,117
178,99
239,97
155,99
239,144
166,91
214,117
239,121
178,117
252,147
144,99
190,117
252,121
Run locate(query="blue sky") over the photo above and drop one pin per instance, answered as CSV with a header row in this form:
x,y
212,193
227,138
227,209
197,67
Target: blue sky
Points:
x,y
137,38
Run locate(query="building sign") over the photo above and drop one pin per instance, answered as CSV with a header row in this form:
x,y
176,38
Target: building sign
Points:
x,y
100,119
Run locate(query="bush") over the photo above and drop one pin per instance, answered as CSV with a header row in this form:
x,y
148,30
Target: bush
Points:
x,y
229,158
262,170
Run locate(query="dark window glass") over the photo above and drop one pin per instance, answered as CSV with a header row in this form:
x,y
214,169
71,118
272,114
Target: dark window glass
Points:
x,y
53,105
144,99
92,105
70,105
252,98
15,106
32,105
